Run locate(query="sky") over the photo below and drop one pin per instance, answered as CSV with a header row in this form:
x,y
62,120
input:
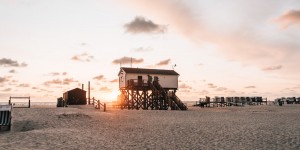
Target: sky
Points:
x,y
220,47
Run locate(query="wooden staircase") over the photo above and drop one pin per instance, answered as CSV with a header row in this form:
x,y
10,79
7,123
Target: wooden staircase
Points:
x,y
170,98
177,103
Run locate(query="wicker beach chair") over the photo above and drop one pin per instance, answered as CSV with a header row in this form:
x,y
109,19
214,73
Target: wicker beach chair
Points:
x,y
5,117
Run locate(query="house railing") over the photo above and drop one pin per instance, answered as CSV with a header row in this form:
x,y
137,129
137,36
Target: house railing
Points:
x,y
137,82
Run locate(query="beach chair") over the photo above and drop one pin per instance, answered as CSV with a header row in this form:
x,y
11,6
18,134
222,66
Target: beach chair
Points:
x,y
5,117
223,102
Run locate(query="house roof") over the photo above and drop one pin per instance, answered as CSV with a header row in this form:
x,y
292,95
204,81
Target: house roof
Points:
x,y
76,89
148,71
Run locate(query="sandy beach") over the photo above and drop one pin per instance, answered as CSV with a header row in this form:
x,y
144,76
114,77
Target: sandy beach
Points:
x,y
83,127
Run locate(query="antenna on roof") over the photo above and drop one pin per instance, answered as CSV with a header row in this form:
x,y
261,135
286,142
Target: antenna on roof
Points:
x,y
173,66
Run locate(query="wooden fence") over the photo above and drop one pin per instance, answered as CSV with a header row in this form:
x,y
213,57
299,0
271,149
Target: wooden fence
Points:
x,y
98,105
15,103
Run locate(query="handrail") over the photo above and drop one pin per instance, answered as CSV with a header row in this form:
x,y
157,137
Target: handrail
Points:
x,y
98,104
27,97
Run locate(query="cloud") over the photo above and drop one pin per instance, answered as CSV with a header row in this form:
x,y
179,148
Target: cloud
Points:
x,y
210,85
164,62
12,71
84,57
34,88
272,68
244,37
24,85
185,91
185,86
250,87
114,80
100,77
221,89
172,11
142,49
14,81
204,92
200,65
68,81
65,81
289,18
54,81
4,79
54,74
83,44
141,25
6,62
128,60
7,90
105,89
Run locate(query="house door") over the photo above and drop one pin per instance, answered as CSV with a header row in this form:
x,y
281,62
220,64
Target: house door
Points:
x,y
140,80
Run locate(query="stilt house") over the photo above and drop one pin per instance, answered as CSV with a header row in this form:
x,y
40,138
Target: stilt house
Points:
x,y
149,88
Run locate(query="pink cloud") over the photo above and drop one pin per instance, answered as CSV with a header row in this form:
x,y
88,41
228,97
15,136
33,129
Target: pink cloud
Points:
x,y
84,57
128,60
272,68
100,77
245,43
185,86
141,25
114,80
164,62
291,17
105,89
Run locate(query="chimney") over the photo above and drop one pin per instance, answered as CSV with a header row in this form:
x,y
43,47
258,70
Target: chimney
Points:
x,y
82,86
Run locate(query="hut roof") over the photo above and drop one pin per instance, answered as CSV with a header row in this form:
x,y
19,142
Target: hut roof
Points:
x,y
148,71
76,89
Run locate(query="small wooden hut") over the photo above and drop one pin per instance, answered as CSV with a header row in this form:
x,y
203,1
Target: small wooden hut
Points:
x,y
75,97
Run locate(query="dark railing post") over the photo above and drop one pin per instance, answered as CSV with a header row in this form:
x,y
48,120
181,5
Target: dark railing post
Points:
x,y
99,104
89,93
104,107
29,102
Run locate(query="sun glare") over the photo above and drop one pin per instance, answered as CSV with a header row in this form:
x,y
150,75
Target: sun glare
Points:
x,y
112,96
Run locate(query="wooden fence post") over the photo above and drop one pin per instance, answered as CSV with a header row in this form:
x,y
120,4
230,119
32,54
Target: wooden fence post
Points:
x,y
104,107
99,104
29,102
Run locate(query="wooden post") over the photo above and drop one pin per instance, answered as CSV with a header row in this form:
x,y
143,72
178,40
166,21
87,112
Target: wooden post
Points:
x,y
9,101
99,104
104,107
89,93
29,102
